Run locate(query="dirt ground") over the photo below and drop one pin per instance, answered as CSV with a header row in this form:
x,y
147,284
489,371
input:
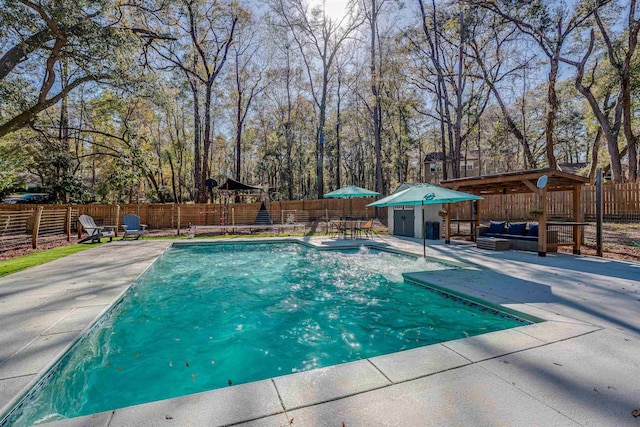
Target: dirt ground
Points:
x,y
618,242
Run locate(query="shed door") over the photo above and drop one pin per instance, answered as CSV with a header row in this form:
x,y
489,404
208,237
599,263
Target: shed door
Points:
x,y
409,221
403,221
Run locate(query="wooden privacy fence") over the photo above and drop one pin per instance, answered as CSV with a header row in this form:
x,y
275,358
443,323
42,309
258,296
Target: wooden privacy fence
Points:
x,y
621,202
18,226
174,215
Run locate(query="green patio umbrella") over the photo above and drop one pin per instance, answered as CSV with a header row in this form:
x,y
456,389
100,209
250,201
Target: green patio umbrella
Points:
x,y
349,192
424,194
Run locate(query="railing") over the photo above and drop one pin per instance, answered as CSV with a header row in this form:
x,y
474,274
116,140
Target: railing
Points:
x,y
462,228
14,227
565,233
18,226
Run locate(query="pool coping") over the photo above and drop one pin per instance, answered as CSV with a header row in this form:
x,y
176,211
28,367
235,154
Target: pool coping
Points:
x,y
337,381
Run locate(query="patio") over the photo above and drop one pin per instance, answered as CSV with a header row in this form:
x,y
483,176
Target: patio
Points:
x,y
578,368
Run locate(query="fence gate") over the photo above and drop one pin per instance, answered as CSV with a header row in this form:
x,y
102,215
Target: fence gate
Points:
x,y
403,221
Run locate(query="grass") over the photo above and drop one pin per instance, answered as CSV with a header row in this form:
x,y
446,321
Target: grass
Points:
x,y
31,260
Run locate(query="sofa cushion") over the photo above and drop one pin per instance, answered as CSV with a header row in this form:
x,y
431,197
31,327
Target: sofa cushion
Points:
x,y
496,227
518,228
533,230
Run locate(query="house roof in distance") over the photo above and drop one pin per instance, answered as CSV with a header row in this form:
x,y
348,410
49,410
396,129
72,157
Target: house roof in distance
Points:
x,y
516,182
573,168
438,156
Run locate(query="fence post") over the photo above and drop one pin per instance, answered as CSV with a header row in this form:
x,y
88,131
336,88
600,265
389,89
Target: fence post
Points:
x,y
68,223
36,228
599,215
79,225
233,217
117,219
178,220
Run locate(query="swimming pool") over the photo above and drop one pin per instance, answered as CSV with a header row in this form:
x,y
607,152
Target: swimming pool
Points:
x,y
206,317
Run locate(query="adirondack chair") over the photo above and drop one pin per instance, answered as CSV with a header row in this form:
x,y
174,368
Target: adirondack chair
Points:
x,y
132,226
95,233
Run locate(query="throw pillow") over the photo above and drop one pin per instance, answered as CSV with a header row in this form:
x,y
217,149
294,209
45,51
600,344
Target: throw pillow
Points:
x,y
496,227
518,228
533,230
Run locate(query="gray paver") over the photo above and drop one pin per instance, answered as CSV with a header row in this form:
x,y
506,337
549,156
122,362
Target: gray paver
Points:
x,y
493,344
12,387
100,419
593,379
320,385
555,331
279,420
466,396
418,362
37,356
77,320
214,408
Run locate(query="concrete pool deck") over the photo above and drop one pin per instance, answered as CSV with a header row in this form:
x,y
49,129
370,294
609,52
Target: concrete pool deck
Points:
x,y
580,367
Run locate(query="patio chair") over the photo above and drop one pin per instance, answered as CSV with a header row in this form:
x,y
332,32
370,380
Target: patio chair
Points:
x,y
95,232
366,228
336,227
132,227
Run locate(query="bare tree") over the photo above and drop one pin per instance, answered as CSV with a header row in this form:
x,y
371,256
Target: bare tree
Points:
x,y
210,28
318,38
545,23
248,76
491,52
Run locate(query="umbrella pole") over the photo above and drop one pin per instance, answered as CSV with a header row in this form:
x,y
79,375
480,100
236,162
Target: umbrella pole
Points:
x,y
424,234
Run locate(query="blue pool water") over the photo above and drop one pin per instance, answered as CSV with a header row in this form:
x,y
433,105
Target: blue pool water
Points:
x,y
207,316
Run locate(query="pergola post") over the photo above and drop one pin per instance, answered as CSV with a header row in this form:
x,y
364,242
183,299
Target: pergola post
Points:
x,y
577,217
476,218
542,224
447,224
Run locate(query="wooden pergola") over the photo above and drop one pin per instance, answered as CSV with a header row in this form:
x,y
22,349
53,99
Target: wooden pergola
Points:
x,y
526,182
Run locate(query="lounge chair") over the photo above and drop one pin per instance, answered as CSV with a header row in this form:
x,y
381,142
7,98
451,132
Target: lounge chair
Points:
x,y
95,233
132,226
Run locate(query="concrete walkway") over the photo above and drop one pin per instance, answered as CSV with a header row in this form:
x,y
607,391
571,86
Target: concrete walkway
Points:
x,y
580,367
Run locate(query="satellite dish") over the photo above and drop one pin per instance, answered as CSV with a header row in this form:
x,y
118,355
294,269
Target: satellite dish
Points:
x,y
542,181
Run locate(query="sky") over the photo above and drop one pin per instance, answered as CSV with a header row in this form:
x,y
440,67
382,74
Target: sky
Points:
x,y
333,8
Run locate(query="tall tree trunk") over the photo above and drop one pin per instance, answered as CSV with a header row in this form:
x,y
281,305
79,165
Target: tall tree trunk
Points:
x,y
65,143
552,108
197,155
320,138
206,141
457,147
338,129
376,111
239,137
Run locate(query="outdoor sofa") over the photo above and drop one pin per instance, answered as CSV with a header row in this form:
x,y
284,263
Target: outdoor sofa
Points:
x,y
522,236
